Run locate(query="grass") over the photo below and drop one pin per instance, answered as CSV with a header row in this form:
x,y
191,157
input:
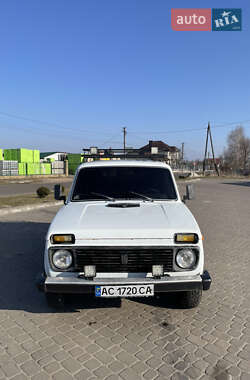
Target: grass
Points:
x,y
22,200
27,199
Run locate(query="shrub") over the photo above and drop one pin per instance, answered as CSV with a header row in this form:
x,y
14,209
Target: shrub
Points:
x,y
42,192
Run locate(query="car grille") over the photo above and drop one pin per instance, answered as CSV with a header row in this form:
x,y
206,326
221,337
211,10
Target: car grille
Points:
x,y
124,260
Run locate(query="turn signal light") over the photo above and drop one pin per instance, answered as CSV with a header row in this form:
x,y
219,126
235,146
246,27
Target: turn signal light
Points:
x,y
62,239
186,238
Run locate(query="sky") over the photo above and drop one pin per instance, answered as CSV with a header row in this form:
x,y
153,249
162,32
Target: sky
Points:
x,y
74,73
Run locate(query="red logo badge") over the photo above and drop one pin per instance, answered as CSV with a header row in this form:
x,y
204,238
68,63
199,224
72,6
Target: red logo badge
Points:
x,y
191,19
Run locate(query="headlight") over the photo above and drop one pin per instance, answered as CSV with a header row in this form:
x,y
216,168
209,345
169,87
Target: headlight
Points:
x,y
185,258
61,239
186,238
62,259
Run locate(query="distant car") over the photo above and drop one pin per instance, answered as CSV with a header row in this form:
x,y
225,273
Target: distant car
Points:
x,y
124,232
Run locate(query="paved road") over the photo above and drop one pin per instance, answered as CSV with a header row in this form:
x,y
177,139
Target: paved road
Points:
x,y
134,339
19,187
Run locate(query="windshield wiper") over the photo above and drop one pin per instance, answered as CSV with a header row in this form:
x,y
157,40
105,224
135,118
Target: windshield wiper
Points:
x,y
143,196
104,196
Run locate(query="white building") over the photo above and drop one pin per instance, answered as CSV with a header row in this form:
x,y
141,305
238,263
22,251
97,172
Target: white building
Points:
x,y
53,156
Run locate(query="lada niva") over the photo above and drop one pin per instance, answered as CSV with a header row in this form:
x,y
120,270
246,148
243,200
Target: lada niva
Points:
x,y
124,231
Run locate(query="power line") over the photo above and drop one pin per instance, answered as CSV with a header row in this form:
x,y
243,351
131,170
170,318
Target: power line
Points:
x,y
173,131
29,119
195,129
48,123
38,131
231,123
111,139
57,125
77,132
51,133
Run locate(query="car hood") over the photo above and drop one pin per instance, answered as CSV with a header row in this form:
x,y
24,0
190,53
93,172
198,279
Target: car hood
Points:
x,y
152,220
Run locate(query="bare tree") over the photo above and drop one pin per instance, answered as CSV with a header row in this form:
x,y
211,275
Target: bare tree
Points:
x,y
237,153
245,151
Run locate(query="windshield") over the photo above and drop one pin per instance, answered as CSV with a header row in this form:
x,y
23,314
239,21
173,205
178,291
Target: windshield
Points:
x,y
121,182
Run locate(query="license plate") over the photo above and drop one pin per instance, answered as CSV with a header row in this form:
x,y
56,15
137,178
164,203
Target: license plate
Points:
x,y
124,291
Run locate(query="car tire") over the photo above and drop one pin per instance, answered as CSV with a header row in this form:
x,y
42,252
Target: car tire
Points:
x,y
55,301
190,299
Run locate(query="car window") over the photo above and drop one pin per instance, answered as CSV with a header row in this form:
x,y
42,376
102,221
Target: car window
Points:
x,y
121,182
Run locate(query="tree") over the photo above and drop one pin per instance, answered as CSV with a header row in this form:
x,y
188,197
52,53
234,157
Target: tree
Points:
x,y
237,153
245,151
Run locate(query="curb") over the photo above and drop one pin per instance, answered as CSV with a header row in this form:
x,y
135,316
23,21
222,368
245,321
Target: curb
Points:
x,y
32,176
189,181
13,210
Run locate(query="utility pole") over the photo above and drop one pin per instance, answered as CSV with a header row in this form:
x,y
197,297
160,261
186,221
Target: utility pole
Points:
x,y
182,151
209,135
124,141
205,156
212,147
182,156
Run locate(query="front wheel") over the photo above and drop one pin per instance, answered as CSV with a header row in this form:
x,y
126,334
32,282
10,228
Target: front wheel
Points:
x,y
190,299
55,301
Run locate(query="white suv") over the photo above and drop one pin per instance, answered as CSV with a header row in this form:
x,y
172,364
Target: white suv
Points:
x,y
124,232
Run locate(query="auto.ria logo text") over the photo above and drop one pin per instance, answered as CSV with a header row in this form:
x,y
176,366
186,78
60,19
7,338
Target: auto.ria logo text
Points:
x,y
206,19
226,19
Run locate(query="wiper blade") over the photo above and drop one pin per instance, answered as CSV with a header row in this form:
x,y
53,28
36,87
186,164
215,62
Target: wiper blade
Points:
x,y
104,196
143,196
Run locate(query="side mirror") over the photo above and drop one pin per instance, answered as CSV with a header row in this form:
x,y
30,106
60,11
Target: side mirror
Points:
x,y
189,193
58,193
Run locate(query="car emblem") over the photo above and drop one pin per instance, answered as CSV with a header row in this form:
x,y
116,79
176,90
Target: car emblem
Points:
x,y
124,258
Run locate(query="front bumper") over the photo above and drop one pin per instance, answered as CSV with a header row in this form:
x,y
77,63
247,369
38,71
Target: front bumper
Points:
x,y
72,285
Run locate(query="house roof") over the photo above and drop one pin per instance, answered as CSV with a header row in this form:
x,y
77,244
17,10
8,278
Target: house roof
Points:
x,y
162,147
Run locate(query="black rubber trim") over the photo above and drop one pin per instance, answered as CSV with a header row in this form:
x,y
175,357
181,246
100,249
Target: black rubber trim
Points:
x,y
90,289
206,280
40,280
